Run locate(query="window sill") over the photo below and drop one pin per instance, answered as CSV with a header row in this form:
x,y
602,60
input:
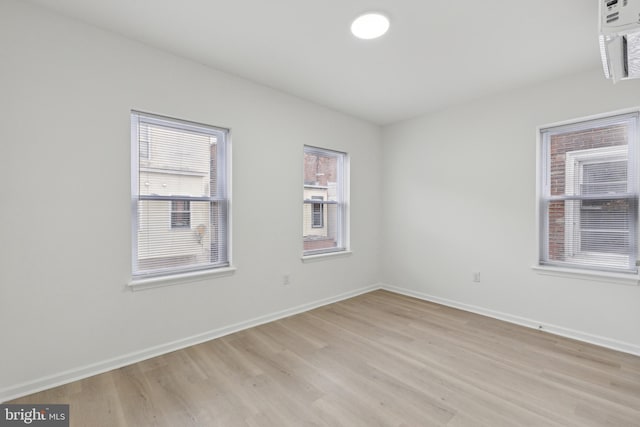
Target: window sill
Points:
x,y
328,255
177,279
598,276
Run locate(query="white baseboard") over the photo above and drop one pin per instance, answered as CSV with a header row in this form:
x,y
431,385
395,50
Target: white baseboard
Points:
x,y
530,323
26,388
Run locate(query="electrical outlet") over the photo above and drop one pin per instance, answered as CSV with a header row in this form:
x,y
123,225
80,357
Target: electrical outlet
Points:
x,y
476,277
286,279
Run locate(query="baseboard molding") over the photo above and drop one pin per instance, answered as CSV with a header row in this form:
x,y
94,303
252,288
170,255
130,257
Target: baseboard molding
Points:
x,y
71,375
61,378
530,323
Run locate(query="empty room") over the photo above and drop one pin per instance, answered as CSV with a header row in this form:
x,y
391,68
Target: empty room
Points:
x,y
336,213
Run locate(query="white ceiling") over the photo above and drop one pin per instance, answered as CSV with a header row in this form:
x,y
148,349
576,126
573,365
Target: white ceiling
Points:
x,y
436,53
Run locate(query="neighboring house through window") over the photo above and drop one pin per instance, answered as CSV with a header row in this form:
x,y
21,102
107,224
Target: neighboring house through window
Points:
x,y
589,194
179,196
324,201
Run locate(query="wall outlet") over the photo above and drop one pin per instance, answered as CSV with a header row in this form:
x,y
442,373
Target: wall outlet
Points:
x,y
286,279
476,277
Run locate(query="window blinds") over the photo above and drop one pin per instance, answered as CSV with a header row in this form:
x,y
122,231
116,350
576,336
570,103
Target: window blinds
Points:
x,y
179,196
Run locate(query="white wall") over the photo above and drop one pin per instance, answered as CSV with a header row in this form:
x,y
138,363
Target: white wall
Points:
x,y
459,190
458,197
66,91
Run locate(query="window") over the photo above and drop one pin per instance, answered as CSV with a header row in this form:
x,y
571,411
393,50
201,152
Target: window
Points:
x,y
317,220
180,198
589,194
324,201
180,213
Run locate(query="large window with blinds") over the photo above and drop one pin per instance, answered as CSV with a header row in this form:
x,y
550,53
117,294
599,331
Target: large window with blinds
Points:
x,y
180,203
324,198
589,194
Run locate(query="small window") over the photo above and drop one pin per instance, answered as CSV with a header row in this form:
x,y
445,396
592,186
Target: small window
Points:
x,y
589,198
324,201
180,198
317,220
180,214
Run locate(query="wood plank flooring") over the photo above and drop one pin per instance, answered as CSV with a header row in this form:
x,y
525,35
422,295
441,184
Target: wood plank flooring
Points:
x,y
379,359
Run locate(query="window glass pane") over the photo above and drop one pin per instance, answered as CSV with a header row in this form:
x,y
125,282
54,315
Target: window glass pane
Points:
x,y
164,242
604,226
181,162
590,232
324,205
604,177
589,142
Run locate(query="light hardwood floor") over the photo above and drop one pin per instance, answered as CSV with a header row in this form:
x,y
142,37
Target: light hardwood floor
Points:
x,y
379,359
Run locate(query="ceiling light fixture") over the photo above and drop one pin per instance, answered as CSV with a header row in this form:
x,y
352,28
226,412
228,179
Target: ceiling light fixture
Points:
x,y
370,25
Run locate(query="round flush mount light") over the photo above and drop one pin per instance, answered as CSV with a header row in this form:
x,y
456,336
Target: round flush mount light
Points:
x,y
370,25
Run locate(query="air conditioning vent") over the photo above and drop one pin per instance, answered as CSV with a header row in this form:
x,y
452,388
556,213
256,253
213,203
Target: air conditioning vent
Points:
x,y
620,38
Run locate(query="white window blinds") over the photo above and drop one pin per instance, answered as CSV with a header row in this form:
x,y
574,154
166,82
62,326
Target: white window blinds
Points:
x,y
179,196
589,197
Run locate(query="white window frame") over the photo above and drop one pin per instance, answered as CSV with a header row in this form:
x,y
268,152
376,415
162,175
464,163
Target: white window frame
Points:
x,y
341,203
586,270
173,275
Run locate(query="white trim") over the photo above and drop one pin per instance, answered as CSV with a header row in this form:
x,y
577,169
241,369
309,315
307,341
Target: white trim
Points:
x,y
523,321
228,164
577,121
177,279
324,256
65,377
593,275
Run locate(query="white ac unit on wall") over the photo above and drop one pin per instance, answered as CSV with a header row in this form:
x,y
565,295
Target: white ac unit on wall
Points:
x,y
620,38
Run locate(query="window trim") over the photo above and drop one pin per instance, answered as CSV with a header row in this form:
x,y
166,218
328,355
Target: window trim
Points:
x,y
613,277
172,275
140,284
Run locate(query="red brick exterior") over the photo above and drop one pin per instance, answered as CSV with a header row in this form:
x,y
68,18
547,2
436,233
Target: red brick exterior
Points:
x,y
319,170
